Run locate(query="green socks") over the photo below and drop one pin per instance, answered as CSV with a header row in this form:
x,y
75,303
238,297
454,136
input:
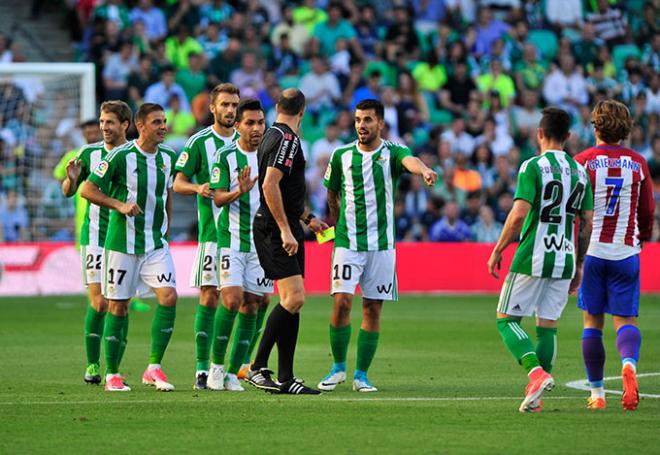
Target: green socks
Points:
x,y
242,339
162,327
94,322
546,347
261,315
114,326
203,335
224,323
518,342
367,343
124,339
340,337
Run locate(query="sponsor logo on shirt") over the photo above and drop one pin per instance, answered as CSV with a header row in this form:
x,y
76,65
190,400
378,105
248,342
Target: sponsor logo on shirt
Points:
x,y
101,169
557,243
215,175
328,172
183,159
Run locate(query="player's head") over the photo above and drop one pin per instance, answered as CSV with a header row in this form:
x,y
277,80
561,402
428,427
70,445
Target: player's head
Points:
x,y
151,123
291,103
250,121
224,101
90,131
554,128
611,121
114,121
369,121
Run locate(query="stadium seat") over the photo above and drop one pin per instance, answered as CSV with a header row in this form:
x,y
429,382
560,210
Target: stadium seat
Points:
x,y
546,43
621,52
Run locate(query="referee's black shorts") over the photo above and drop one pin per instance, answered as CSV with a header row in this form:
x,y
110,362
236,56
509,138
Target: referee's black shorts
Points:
x,y
276,262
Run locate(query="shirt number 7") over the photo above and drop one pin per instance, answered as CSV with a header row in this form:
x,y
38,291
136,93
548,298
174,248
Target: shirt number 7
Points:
x,y
616,183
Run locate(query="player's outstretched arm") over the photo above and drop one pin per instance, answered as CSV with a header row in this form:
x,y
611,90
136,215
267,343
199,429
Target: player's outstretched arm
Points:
x,y
510,232
70,183
183,185
415,166
583,237
94,195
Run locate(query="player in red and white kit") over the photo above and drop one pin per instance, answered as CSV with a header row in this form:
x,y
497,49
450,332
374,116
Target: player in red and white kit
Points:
x,y
623,218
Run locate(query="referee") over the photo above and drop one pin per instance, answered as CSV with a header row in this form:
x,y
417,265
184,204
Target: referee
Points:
x,y
278,238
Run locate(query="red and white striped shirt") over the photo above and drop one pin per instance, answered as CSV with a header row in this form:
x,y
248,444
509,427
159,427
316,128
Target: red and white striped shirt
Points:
x,y
623,200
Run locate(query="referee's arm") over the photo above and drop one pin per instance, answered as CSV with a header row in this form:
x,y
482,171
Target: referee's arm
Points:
x,y
273,196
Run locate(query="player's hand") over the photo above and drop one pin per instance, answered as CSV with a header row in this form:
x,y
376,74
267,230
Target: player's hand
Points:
x,y
576,281
317,226
245,183
429,176
289,243
130,209
205,191
73,169
495,263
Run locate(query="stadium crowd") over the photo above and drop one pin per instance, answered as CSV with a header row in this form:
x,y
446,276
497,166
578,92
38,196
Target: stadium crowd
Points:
x,y
463,83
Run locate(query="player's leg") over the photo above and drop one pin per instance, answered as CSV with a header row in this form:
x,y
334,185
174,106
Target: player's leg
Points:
x,y
347,268
231,297
156,270
204,277
378,283
264,301
119,282
245,328
592,300
623,302
92,259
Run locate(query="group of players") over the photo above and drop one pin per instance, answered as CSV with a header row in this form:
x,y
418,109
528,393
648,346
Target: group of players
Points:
x,y
250,187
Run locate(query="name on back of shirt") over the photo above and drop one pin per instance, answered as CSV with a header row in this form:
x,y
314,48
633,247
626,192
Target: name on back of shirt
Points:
x,y
617,163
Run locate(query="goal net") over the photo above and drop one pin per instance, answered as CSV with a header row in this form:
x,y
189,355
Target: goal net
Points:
x,y
41,108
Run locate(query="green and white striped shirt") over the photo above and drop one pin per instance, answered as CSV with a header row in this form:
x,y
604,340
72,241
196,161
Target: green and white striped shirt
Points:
x,y
129,174
367,183
95,222
235,219
195,162
558,188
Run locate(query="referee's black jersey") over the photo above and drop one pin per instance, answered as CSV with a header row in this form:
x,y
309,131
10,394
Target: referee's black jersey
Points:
x,y
280,148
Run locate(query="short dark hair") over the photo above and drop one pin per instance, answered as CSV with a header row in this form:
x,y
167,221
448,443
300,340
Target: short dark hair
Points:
x,y
224,88
555,123
248,104
119,108
368,104
90,122
145,110
291,102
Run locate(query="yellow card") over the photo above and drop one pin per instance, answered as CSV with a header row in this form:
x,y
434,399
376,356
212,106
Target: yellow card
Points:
x,y
326,236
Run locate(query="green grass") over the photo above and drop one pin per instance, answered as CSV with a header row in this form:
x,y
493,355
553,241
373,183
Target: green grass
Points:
x,y
447,383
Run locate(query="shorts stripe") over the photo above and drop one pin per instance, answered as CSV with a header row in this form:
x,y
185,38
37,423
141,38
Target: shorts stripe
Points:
x,y
83,257
512,282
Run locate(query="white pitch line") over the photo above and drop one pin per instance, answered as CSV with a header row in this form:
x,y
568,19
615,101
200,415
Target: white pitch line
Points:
x,y
583,384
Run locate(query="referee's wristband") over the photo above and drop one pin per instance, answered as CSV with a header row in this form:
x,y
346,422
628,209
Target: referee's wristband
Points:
x,y
309,218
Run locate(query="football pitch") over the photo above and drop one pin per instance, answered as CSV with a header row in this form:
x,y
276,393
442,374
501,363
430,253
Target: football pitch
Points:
x,y
447,385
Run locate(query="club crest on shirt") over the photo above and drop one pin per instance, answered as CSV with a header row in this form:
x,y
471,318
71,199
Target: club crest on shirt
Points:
x,y
215,175
183,159
101,169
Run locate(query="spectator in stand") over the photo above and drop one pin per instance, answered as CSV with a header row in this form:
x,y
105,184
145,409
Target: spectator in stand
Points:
x,y
651,54
526,118
249,76
504,180
370,90
367,33
153,17
114,11
586,47
497,80
450,228
179,47
610,22
284,60
565,87
447,190
391,111
598,82
486,229
324,146
459,140
6,55
14,219
470,213
488,31
139,80
212,41
504,206
296,32
497,139
428,14
401,34
633,85
529,73
225,63
430,74
161,92
327,33
320,87
183,12
455,94
564,14
482,162
465,178
192,79
647,28
653,95
309,15
215,11
413,110
117,70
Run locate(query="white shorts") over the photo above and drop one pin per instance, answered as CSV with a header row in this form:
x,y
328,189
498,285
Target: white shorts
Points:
x,y
126,275
524,295
204,271
243,270
91,258
375,271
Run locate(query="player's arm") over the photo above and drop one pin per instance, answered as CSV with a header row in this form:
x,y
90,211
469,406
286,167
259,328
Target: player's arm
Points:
x,y
312,222
183,185
93,194
273,197
646,207
415,166
583,237
168,210
222,196
510,233
333,204
70,183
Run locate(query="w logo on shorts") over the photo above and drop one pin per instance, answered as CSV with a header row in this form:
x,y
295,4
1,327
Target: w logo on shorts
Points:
x,y
162,278
382,289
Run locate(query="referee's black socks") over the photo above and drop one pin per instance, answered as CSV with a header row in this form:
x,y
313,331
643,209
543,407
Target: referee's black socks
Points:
x,y
281,328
